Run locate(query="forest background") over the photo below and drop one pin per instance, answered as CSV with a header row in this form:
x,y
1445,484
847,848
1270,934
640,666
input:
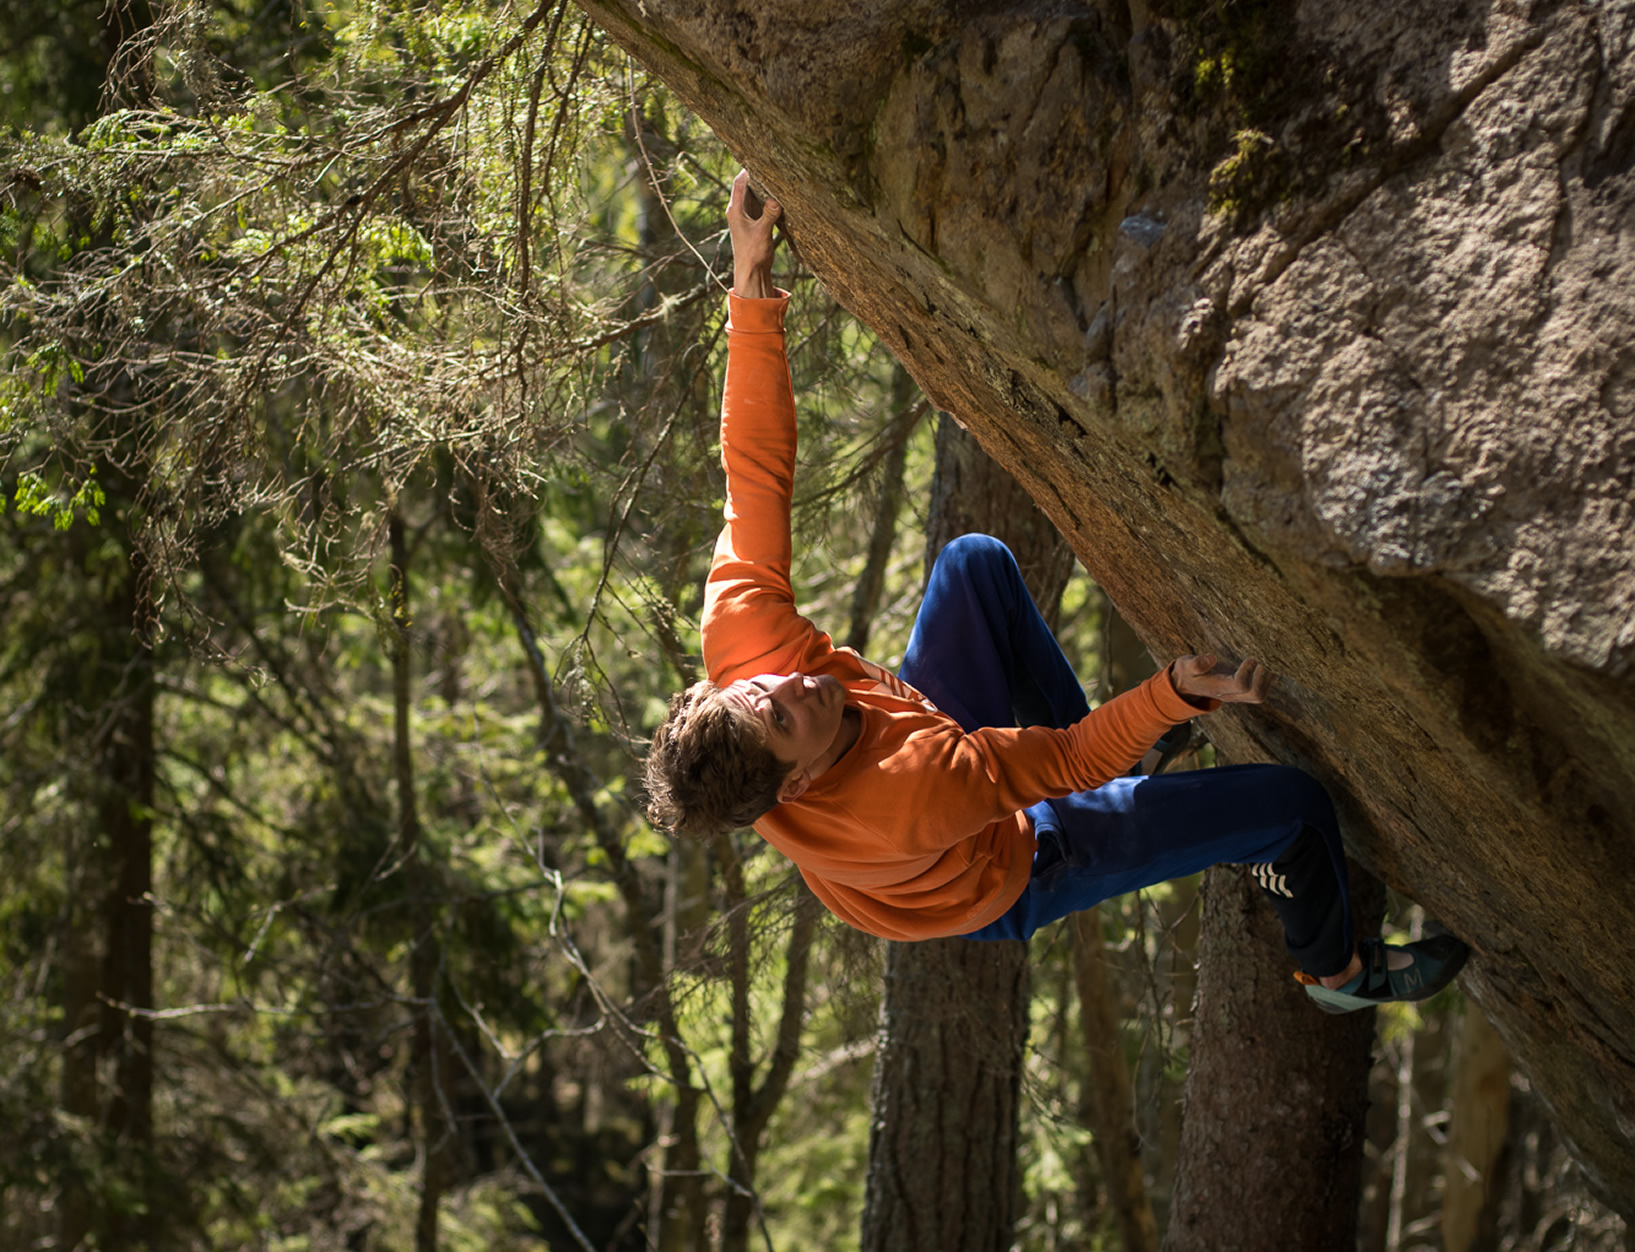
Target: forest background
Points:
x,y
357,448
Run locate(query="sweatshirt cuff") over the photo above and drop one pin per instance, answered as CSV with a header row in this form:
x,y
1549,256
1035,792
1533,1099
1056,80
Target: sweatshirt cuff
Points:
x,y
764,317
1172,704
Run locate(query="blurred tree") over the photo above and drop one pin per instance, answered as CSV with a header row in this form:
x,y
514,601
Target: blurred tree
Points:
x,y
1276,1091
1478,1127
948,1072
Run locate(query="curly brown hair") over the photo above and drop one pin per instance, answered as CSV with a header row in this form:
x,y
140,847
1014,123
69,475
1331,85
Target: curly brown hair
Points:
x,y
710,769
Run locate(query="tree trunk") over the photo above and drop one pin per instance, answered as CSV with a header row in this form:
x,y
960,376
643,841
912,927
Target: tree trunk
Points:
x,y
678,1215
77,970
888,502
942,1142
1271,1148
123,1035
432,1063
127,971
1476,1137
1402,1145
1160,1096
754,1102
943,1175
676,1212
1113,1117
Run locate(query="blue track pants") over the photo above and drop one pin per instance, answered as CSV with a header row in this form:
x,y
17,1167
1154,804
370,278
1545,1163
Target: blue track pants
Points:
x,y
981,652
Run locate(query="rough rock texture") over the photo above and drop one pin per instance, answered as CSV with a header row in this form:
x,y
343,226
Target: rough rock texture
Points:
x,y
1312,325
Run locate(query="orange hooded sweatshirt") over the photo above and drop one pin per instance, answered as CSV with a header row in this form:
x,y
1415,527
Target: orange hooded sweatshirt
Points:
x,y
918,832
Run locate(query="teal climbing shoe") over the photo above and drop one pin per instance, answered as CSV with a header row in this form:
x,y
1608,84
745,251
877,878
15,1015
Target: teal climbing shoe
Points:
x,y
1436,961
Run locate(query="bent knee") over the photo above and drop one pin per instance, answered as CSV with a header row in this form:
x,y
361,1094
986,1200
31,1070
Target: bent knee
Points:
x,y
1308,795
973,553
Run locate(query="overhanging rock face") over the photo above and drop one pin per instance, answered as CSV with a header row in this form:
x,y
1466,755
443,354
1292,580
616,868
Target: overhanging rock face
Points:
x,y
1312,325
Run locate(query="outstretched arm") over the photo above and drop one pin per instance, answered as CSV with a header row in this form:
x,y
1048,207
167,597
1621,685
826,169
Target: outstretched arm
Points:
x,y
751,625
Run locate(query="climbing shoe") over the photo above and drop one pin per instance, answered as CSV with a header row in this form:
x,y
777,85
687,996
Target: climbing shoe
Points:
x,y
1436,961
